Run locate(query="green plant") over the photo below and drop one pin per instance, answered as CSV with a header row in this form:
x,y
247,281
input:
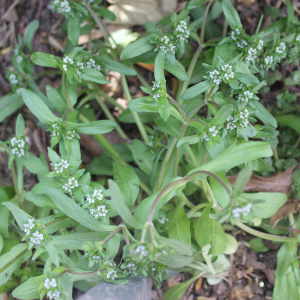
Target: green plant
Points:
x,y
171,192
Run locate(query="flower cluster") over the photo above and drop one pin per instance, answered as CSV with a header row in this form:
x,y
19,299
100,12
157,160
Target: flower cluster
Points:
x,y
268,62
140,251
71,134
245,96
55,130
165,45
215,77
298,38
61,166
156,90
163,220
181,31
62,6
112,274
98,208
92,64
71,184
30,229
281,48
17,147
13,79
236,212
67,60
131,267
212,132
151,137
253,52
51,285
227,71
238,36
239,120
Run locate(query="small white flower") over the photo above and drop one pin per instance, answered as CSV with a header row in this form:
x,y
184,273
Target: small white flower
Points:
x,y
111,274
131,267
141,249
298,38
101,211
269,61
163,220
281,48
151,141
215,76
71,133
70,185
65,68
183,33
236,212
61,166
19,59
156,97
17,146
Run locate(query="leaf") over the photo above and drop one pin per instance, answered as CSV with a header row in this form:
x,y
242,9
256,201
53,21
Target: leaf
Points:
x,y
74,211
56,100
278,183
138,47
144,105
231,14
194,3
177,291
258,245
113,246
127,181
178,246
9,104
219,191
20,215
196,90
175,261
12,260
33,164
236,155
116,66
96,127
45,59
241,181
231,244
271,202
38,107
263,114
247,79
142,156
94,76
29,33
73,29
159,66
40,200
178,70
164,107
218,242
29,289
171,126
291,121
20,126
179,228
202,228
52,251
120,206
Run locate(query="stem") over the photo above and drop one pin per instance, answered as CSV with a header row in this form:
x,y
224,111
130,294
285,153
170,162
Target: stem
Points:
x,y
125,236
177,153
164,164
177,106
275,153
191,114
112,234
204,22
192,155
13,171
186,201
110,99
225,27
288,111
45,73
64,85
137,119
194,209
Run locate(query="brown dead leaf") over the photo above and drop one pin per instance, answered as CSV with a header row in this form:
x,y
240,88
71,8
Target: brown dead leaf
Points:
x,y
270,275
251,261
277,183
173,281
291,206
198,284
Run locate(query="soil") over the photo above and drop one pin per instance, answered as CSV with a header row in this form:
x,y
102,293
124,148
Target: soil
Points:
x,y
252,274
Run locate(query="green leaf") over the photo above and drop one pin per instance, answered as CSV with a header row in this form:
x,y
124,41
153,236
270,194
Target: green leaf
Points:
x,y
202,228
177,291
72,91
40,200
263,114
175,261
52,251
159,66
20,126
40,188
12,260
94,76
291,121
38,107
241,181
236,155
171,126
29,33
74,211
258,245
56,100
231,244
194,3
280,25
29,289
116,66
142,156
97,127
180,226
119,204
196,90
222,115
9,104
138,47
178,246
218,241
219,191
144,105
73,29
271,202
178,70
113,246
127,181
231,14
33,164
45,59
20,215
190,140
164,107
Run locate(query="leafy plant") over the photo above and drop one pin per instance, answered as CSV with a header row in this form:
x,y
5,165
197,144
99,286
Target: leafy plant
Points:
x,y
171,190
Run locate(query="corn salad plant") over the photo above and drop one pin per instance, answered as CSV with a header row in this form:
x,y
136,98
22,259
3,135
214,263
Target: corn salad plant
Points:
x,y
169,191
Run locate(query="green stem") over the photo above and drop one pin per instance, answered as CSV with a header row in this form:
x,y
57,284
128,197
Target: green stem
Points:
x,y
288,111
177,153
15,180
110,99
112,234
225,27
192,155
64,85
194,209
202,34
186,201
137,119
164,164
177,106
275,153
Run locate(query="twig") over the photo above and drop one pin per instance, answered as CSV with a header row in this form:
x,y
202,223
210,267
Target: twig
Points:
x,y
9,10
